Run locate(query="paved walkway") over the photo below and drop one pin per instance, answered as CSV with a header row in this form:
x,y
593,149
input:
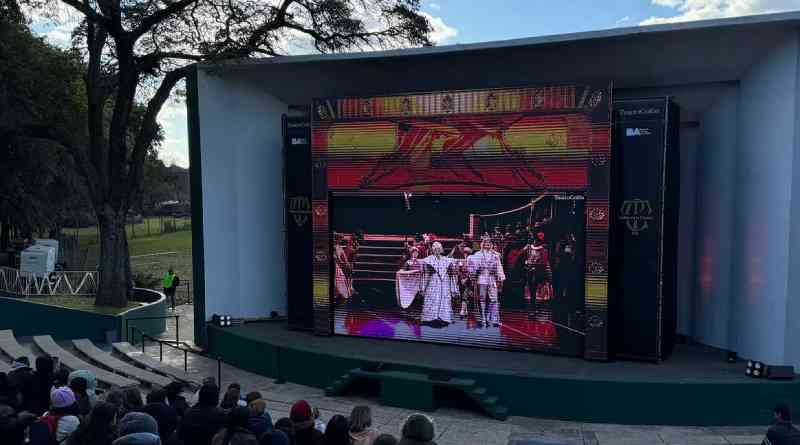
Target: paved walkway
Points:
x,y
455,426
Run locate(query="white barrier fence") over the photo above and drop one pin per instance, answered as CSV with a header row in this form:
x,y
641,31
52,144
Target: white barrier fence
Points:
x,y
12,281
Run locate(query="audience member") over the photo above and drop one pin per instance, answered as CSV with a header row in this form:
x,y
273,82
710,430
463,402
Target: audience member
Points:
x,y
42,386
274,437
361,431
117,398
235,431
385,439
782,432
175,399
78,385
60,378
304,431
133,400
203,420
12,425
58,423
196,396
418,429
20,381
138,428
99,428
286,425
260,421
231,399
318,423
338,431
91,382
166,416
251,396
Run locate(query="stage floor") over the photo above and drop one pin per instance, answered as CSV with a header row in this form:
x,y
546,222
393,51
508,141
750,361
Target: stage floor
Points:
x,y
688,364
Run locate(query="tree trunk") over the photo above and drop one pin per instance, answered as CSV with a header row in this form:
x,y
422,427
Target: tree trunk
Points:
x,y
115,265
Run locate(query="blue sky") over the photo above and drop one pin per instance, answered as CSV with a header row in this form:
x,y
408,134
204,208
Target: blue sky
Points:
x,y
467,21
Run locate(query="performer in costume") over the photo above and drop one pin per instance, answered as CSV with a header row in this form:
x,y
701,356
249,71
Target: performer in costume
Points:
x,y
438,287
408,280
487,271
539,276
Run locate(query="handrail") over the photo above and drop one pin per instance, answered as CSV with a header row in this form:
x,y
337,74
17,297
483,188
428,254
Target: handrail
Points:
x,y
157,317
186,350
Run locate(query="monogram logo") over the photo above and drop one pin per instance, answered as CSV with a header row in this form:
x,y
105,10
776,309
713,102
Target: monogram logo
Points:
x,y
637,214
300,208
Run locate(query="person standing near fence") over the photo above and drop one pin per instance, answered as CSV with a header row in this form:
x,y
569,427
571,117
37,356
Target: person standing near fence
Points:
x,y
169,286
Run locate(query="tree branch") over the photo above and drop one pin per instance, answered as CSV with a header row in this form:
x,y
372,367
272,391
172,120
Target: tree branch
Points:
x,y
93,15
148,130
157,17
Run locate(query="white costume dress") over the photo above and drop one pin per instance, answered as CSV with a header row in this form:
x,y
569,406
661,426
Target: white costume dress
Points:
x,y
438,287
487,269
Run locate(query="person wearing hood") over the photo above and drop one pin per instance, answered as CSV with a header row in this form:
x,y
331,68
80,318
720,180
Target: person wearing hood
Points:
x,y
304,431
260,422
138,428
12,425
91,383
59,422
79,387
165,415
203,420
235,431
418,429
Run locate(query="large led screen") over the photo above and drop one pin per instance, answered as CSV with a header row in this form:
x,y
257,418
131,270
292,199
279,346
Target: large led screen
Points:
x,y
388,170
502,271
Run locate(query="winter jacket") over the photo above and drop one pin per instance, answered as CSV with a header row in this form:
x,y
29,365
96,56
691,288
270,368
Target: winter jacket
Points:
x,y
200,424
782,433
308,436
138,439
166,417
239,437
260,424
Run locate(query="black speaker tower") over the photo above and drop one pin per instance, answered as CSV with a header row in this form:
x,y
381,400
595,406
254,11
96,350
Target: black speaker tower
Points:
x,y
644,229
297,196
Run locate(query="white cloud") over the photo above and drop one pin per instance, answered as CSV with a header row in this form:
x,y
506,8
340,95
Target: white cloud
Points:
x,y
442,32
434,6
623,20
175,147
689,10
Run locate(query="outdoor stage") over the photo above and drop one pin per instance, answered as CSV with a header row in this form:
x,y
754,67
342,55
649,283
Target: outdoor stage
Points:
x,y
695,386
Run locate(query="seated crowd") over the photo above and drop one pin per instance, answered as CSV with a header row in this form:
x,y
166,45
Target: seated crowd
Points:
x,y
54,407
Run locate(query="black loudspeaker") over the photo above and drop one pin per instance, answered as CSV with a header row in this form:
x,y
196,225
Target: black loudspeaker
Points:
x,y
644,228
297,191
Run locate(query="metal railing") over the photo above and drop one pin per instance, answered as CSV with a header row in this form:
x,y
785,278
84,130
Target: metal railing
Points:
x,y
157,317
181,346
12,281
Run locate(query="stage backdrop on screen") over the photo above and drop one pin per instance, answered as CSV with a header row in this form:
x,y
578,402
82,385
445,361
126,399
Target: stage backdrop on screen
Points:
x,y
537,154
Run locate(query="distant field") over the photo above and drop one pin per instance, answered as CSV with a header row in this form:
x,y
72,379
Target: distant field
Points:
x,y
152,254
81,303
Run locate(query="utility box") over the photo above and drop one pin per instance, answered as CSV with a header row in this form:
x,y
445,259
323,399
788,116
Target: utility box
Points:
x,y
38,259
48,243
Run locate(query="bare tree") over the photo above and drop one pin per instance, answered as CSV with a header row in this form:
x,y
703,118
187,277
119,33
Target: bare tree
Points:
x,y
142,49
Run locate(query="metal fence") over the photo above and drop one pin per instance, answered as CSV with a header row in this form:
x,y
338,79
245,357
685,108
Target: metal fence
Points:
x,y
12,281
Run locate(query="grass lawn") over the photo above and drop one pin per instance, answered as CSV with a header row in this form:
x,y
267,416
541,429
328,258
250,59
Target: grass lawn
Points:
x,y
81,303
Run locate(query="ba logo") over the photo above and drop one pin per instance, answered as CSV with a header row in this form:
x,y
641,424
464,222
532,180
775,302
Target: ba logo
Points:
x,y
299,208
637,131
299,141
637,214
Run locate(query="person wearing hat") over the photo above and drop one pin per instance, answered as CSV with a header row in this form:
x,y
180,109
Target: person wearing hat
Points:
x,y
303,419
138,428
236,431
782,432
21,381
418,429
59,422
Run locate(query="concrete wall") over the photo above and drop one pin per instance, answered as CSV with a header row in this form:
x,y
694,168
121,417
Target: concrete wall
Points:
x,y
766,148
714,221
242,181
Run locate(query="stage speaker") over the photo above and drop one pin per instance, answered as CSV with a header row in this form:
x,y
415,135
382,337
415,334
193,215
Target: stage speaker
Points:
x,y
780,372
644,228
297,196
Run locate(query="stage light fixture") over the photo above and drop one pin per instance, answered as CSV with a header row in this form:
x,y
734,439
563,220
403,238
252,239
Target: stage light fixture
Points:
x,y
221,320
